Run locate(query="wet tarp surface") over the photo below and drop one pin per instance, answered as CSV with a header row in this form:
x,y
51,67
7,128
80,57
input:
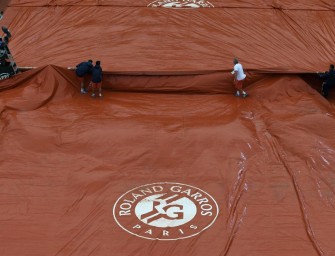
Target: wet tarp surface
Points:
x,y
131,37
168,161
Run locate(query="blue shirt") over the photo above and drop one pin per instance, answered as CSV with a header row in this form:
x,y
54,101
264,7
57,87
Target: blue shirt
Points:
x,y
84,68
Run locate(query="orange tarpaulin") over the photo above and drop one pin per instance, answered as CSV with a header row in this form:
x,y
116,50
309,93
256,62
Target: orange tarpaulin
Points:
x,y
263,4
67,158
168,161
132,39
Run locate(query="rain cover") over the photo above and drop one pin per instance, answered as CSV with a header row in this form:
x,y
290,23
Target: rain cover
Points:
x,y
168,161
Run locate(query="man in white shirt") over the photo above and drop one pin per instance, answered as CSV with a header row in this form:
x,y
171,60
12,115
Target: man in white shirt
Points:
x,y
239,77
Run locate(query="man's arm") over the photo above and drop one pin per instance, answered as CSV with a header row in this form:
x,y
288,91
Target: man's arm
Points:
x,y
235,74
324,75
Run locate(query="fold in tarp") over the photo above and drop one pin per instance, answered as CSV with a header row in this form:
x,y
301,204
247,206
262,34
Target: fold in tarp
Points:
x,y
130,39
31,90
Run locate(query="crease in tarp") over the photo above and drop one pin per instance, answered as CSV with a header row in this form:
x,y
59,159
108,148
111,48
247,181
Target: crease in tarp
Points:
x,y
37,88
234,221
281,154
300,196
304,212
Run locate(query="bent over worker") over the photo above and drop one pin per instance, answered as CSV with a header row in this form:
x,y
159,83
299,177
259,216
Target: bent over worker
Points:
x,y
82,69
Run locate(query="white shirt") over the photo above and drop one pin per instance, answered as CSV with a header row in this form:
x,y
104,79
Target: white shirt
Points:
x,y
239,69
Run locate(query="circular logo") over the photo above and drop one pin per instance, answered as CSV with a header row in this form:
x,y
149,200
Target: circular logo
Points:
x,y
165,211
180,4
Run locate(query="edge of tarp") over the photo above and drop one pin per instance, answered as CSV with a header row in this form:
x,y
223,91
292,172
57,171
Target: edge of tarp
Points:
x,y
274,5
178,73
216,82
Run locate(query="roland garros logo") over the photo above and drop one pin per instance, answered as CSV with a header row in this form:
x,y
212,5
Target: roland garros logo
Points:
x,y
165,211
180,4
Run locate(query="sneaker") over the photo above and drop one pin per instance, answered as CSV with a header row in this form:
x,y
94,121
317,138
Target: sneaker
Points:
x,y
244,94
83,91
237,94
93,94
100,94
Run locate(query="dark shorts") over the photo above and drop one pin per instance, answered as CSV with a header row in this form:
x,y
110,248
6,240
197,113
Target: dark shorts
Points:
x,y
80,78
238,84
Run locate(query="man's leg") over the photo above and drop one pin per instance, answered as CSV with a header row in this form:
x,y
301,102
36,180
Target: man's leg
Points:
x,y
237,88
100,90
82,83
325,90
93,85
239,85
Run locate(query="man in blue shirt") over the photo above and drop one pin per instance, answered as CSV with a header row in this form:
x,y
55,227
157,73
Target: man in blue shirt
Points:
x,y
82,70
96,79
329,80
